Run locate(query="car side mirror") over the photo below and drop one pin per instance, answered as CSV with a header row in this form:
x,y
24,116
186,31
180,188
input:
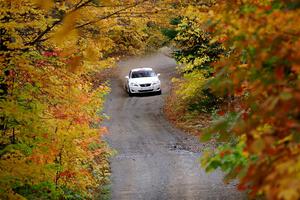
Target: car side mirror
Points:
x,y
127,77
158,75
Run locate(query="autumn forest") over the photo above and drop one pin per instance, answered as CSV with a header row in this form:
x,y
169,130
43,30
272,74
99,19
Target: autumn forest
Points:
x,y
237,86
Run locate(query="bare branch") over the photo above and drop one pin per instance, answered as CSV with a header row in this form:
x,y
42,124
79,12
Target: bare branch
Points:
x,y
110,15
50,27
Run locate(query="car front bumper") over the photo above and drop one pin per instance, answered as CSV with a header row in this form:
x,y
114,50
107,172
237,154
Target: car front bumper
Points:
x,y
139,89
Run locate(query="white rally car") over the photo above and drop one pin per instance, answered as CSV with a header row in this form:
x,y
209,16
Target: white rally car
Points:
x,y
142,80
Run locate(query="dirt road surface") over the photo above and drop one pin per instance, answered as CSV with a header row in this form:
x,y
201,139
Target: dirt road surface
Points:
x,y
155,161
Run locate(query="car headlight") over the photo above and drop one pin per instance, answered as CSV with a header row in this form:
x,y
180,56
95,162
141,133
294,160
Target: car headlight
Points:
x,y
156,83
134,84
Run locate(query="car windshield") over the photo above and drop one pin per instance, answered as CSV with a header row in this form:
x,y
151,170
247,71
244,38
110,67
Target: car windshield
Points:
x,y
141,74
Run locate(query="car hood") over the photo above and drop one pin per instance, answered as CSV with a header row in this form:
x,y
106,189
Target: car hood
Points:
x,y
144,80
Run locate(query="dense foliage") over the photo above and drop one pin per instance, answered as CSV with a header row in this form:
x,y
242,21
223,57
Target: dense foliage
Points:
x,y
196,51
48,148
259,121
262,71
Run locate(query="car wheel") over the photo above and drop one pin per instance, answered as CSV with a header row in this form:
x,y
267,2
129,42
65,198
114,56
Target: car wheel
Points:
x,y
129,93
159,92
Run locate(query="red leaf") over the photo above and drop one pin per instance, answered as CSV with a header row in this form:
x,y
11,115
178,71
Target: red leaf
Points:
x,y
241,187
245,116
221,112
279,72
267,8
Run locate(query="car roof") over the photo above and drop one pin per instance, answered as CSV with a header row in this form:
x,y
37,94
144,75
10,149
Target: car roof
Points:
x,y
143,68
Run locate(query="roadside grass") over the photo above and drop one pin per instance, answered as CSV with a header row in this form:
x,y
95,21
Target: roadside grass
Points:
x,y
105,193
177,112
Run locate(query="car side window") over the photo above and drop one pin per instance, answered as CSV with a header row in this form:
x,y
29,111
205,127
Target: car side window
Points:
x,y
129,74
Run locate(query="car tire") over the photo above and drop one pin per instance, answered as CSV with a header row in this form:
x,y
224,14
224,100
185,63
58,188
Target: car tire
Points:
x,y
159,92
129,93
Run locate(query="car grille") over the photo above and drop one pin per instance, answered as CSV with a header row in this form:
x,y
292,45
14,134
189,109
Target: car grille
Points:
x,y
146,90
145,85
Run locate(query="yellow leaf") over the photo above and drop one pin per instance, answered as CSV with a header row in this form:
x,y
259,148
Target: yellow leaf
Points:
x,y
68,27
288,194
45,4
92,54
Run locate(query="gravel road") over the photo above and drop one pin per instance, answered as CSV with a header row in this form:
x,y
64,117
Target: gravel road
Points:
x,y
155,161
